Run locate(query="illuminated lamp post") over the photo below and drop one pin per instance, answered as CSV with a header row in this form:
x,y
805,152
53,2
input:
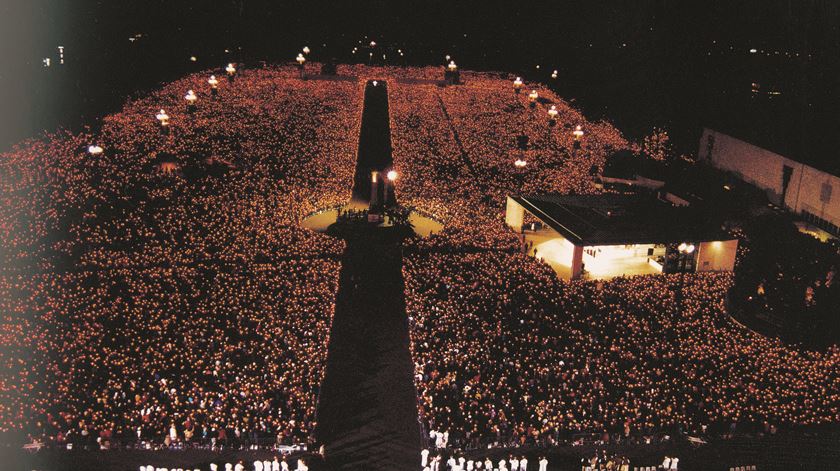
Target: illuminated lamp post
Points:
x,y
685,250
306,50
391,178
214,85
452,75
552,115
301,61
94,150
231,71
519,163
532,98
554,74
163,119
578,133
191,98
517,84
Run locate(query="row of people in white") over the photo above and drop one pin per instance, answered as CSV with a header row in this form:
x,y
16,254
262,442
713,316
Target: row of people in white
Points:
x,y
264,465
670,463
463,464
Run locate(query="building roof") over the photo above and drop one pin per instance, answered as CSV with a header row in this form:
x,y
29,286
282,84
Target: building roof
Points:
x,y
613,219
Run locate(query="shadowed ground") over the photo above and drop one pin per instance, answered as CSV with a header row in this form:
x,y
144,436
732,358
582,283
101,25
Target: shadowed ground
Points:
x,y
367,411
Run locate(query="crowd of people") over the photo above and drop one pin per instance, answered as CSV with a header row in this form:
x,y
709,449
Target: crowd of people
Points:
x,y
506,354
155,285
159,289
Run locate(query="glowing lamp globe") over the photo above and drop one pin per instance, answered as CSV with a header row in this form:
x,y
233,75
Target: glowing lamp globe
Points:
x,y
554,74
519,163
392,175
578,133
94,150
306,49
532,97
230,69
452,67
162,117
517,84
213,82
190,97
552,113
300,59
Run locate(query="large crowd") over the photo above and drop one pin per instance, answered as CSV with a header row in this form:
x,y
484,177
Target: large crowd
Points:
x,y
157,289
505,353
162,291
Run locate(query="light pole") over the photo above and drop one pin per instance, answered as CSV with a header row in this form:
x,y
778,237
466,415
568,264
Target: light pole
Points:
x,y
214,85
532,98
390,197
231,71
163,119
94,149
452,75
578,134
517,85
191,98
552,115
301,61
685,250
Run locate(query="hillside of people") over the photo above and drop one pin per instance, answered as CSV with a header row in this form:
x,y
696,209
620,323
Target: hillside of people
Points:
x,y
155,284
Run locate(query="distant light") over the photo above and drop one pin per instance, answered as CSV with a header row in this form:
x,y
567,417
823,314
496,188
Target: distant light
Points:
x,y
300,59
448,57
552,113
392,175
686,248
538,66
190,97
726,187
193,58
212,81
94,150
554,74
519,163
517,84
373,44
227,51
753,51
306,49
578,132
230,69
452,67
47,61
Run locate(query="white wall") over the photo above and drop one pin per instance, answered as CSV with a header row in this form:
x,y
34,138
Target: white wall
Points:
x,y
809,189
717,255
514,214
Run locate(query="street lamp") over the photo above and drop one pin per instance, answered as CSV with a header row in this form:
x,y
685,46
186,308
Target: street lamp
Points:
x,y
306,50
552,115
452,67
163,119
517,84
214,84
519,163
301,61
231,71
578,133
554,74
392,175
94,150
532,98
191,98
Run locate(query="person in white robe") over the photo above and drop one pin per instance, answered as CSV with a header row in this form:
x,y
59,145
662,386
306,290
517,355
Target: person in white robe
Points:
x,y
523,464
424,457
543,464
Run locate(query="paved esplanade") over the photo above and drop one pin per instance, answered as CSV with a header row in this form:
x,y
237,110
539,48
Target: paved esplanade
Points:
x,y
367,412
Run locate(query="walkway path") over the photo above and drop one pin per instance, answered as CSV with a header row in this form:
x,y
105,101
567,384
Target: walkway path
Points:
x,y
367,412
